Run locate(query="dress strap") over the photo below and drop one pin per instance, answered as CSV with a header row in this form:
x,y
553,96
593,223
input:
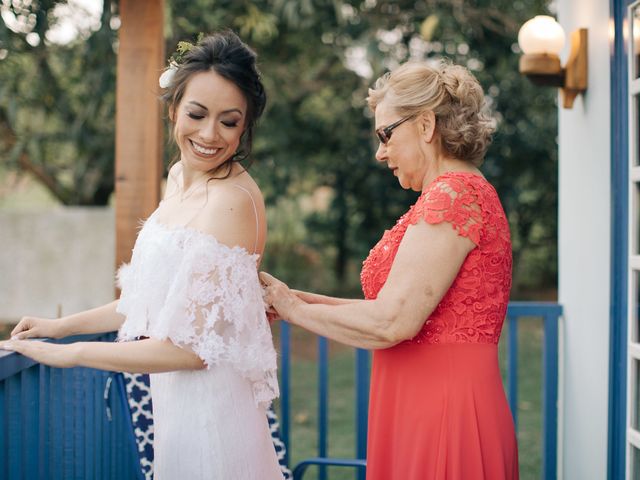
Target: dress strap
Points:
x,y
255,211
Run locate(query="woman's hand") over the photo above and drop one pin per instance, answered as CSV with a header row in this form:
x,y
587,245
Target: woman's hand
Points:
x,y
279,297
54,355
35,327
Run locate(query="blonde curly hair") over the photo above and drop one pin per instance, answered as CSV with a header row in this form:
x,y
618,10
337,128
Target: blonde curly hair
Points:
x,y
452,93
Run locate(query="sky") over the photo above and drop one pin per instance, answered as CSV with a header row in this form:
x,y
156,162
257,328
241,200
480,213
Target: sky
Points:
x,y
74,18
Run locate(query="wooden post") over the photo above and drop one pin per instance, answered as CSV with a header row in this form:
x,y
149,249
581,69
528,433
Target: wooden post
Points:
x,y
138,118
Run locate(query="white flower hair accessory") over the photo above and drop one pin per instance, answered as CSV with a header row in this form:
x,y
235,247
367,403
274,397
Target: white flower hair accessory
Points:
x,y
175,60
167,76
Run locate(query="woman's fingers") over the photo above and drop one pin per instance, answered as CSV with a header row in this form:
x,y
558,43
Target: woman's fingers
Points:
x,y
266,279
24,329
22,325
270,284
31,333
269,280
34,327
21,346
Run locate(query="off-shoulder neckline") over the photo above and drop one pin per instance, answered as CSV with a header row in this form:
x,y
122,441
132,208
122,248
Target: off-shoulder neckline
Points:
x,y
199,233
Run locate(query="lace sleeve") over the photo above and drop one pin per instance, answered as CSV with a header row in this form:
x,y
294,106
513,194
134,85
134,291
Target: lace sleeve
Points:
x,y
453,201
213,307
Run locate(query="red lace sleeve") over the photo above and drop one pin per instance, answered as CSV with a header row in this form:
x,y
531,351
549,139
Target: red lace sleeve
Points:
x,y
455,201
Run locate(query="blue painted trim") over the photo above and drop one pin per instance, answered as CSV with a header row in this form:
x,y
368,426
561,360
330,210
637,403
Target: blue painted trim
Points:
x,y
44,422
301,468
285,382
533,309
619,241
362,405
29,412
512,367
550,397
323,403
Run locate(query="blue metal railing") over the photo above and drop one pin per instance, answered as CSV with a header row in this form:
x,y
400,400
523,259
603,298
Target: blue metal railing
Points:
x,y
57,423
64,423
550,313
517,311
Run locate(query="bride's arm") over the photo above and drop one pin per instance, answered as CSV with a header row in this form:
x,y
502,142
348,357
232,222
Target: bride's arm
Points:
x,y
141,356
96,320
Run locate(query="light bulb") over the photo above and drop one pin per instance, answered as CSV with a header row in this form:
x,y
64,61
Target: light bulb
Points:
x,y
541,35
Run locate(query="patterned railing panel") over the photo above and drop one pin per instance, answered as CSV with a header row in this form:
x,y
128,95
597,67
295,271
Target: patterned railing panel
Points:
x,y
517,311
64,423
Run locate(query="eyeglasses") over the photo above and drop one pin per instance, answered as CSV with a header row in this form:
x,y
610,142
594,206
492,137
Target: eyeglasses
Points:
x,y
384,133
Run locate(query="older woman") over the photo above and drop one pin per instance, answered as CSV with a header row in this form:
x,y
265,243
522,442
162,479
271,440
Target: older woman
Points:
x,y
436,289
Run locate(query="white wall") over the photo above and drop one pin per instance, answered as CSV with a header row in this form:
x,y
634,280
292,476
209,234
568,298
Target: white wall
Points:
x,y
58,256
585,252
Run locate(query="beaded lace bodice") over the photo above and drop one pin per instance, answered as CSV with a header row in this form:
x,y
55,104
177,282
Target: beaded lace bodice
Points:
x,y
474,307
183,285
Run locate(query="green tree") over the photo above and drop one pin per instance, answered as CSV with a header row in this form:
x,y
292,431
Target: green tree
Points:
x,y
318,58
57,101
316,130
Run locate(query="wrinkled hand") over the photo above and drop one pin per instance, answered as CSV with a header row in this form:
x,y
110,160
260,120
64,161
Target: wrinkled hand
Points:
x,y
35,327
280,299
62,356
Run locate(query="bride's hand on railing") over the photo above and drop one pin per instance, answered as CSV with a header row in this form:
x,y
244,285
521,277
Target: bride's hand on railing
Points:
x,y
36,327
54,355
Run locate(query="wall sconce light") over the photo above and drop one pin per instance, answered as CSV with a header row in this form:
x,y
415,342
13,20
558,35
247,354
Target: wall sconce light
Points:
x,y
541,39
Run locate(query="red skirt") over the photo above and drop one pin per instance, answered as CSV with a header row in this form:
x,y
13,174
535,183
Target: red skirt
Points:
x,y
439,412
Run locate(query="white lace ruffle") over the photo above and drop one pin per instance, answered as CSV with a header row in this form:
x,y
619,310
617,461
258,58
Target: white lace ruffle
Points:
x,y
184,285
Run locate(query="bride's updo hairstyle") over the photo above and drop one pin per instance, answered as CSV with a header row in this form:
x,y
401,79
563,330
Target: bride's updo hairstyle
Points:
x,y
228,56
452,93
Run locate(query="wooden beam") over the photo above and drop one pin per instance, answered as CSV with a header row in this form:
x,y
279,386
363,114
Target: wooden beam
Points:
x,y
138,118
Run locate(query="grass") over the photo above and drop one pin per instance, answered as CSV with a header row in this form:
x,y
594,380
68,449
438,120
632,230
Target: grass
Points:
x,y
304,405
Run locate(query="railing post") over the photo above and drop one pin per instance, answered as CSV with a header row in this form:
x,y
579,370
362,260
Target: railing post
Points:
x,y
550,396
285,375
362,405
44,419
512,375
323,390
14,431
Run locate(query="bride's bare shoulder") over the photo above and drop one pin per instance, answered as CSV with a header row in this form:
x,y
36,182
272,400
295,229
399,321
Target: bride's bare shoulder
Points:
x,y
234,213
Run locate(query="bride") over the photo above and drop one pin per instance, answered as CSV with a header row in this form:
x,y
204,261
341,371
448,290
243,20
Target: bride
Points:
x,y
191,311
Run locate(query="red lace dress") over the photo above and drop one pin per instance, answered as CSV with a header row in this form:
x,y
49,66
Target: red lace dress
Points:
x,y
437,405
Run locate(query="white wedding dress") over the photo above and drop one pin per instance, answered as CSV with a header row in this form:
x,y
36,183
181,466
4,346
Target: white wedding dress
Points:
x,y
185,286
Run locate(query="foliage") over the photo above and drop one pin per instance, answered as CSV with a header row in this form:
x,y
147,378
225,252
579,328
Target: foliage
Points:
x,y
57,102
318,58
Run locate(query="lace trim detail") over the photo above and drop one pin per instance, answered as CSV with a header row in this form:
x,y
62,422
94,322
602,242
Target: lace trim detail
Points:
x,y
474,307
453,202
185,286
